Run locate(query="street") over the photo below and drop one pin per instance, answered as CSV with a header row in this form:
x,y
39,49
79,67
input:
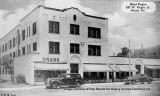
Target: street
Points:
x,y
106,89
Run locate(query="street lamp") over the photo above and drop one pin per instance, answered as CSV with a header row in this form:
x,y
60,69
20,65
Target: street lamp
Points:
x,y
129,60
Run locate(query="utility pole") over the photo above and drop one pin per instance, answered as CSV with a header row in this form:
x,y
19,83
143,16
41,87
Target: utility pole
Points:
x,y
129,60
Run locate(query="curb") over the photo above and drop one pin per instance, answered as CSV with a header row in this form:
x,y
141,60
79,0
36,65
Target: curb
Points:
x,y
34,87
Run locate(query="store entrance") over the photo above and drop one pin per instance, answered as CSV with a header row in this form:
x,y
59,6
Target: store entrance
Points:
x,y
74,68
138,67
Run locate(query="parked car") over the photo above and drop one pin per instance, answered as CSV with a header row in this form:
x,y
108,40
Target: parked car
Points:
x,y
67,80
139,78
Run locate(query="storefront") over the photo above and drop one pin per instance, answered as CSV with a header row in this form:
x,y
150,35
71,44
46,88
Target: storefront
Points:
x,y
121,71
43,70
96,72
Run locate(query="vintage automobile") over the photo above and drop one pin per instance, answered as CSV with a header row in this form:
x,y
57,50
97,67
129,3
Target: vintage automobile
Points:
x,y
138,78
66,80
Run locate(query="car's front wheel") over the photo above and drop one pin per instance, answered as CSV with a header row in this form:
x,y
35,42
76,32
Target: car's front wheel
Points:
x,y
78,84
149,81
55,85
133,82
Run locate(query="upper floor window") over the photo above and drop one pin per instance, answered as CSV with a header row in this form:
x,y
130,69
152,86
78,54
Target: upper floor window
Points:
x,y
5,46
23,50
2,48
35,46
94,50
54,47
10,44
53,27
29,30
23,35
74,48
74,29
34,28
14,42
94,32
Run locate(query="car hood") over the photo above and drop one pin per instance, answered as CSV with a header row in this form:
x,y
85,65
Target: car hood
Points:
x,y
130,78
54,78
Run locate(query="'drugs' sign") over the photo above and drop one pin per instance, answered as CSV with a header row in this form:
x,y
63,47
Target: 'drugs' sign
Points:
x,y
50,59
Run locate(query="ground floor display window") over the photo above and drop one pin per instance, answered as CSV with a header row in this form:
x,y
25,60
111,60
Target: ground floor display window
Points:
x,y
42,75
95,75
122,75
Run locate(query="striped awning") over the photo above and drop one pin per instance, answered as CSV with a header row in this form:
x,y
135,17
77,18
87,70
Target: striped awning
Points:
x,y
114,68
153,67
95,68
40,66
126,68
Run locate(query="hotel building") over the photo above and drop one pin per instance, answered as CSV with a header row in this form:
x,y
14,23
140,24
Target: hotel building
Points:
x,y
48,42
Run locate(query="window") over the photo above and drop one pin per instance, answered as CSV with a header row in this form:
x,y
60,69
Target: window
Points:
x,y
94,50
29,30
29,48
23,50
0,51
74,48
14,54
14,42
34,28
53,27
94,32
74,29
54,47
35,46
2,48
23,35
5,46
19,52
10,44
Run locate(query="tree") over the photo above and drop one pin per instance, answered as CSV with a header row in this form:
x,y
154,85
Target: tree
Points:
x,y
7,62
124,52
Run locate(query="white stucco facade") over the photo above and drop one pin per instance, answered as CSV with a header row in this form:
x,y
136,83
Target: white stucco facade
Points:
x,y
27,60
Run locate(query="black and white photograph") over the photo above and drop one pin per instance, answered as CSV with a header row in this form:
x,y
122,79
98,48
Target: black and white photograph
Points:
x,y
79,47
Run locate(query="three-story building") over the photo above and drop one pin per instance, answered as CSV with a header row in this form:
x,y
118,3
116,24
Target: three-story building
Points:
x,y
48,42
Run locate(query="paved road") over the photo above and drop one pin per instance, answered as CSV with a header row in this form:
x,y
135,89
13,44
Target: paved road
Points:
x,y
106,89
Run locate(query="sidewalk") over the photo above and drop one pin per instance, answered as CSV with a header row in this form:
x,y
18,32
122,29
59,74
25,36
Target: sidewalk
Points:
x,y
21,88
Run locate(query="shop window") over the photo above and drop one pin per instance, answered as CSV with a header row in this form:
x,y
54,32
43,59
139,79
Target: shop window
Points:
x,y
54,47
34,28
74,48
23,35
35,46
74,29
94,32
94,50
42,75
23,50
53,27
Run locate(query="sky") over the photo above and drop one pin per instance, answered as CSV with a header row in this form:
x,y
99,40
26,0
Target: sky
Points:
x,y
139,28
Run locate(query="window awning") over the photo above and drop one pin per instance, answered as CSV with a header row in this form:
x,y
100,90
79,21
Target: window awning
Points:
x,y
51,67
153,67
114,68
126,68
95,68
